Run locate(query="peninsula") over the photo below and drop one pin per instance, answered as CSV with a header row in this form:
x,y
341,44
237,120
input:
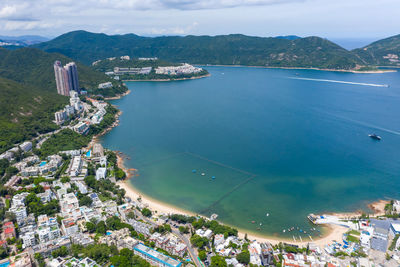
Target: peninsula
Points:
x,y
125,68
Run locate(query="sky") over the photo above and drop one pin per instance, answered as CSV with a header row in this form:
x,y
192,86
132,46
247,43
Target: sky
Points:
x,y
332,19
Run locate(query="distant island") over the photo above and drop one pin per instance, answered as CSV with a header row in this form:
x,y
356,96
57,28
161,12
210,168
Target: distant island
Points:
x,y
126,68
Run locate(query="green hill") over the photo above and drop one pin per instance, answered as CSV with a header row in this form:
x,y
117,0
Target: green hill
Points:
x,y
28,95
385,52
35,67
232,49
25,111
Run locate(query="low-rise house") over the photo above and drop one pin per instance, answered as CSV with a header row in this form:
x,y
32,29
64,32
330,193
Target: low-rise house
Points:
x,y
45,249
19,199
30,171
90,214
394,229
101,173
98,150
82,239
28,239
81,187
9,230
86,262
255,252
110,207
204,233
81,128
141,227
47,228
69,226
121,239
75,166
180,250
70,206
69,202
46,196
26,146
20,214
71,152
219,239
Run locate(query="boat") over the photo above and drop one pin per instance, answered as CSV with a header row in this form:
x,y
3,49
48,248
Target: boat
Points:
x,y
260,224
284,230
194,171
267,214
213,177
375,137
202,174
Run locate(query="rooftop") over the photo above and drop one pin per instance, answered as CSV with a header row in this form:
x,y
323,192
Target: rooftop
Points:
x,y
157,256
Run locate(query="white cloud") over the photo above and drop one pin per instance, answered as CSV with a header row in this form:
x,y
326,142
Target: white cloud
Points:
x,y
16,11
254,17
177,30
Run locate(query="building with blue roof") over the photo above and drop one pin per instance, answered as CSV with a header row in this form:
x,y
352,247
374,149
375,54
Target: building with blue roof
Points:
x,y
154,257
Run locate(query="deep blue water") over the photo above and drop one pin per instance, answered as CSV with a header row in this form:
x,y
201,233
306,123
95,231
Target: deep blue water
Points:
x,y
275,143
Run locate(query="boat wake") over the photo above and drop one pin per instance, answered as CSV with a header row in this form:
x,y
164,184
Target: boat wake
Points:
x,y
361,123
336,81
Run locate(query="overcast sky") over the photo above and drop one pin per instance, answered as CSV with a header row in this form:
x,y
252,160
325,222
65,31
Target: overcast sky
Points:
x,y
326,18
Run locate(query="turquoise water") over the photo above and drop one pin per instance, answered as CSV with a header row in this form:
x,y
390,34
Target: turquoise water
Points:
x,y
276,142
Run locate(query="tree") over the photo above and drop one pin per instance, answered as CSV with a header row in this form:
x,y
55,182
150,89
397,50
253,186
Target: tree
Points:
x,y
64,179
3,253
61,252
198,241
101,228
85,201
183,229
218,261
131,215
243,257
146,212
40,259
91,227
202,255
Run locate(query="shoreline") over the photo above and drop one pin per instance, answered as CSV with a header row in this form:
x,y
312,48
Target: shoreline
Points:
x,y
95,139
331,231
170,80
305,68
119,96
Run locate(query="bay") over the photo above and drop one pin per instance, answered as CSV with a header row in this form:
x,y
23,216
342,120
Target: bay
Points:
x,y
282,142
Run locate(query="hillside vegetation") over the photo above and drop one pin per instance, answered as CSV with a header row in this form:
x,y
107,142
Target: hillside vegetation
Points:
x,y
28,94
385,52
25,111
233,49
35,67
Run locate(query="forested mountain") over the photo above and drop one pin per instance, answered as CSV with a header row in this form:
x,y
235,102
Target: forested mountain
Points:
x,y
232,49
384,52
28,94
35,67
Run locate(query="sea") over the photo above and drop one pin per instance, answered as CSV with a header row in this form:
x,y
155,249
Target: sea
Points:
x,y
262,148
